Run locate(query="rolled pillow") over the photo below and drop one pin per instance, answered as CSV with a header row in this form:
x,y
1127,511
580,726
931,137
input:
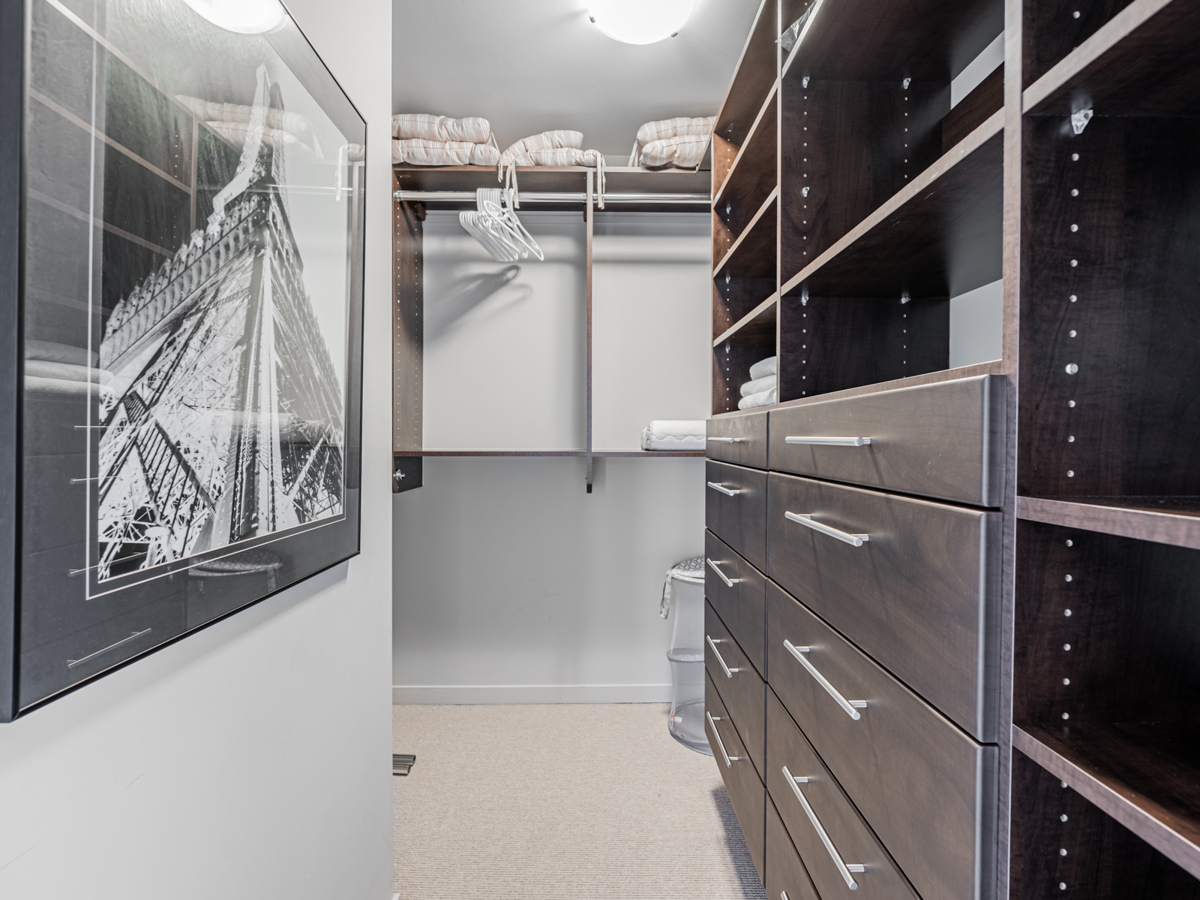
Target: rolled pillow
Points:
x,y
562,156
547,140
422,126
684,152
677,127
416,152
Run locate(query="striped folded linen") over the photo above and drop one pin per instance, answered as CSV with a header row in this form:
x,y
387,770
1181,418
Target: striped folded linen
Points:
x,y
546,140
237,132
680,142
766,398
758,385
764,367
232,122
443,129
420,152
562,156
674,434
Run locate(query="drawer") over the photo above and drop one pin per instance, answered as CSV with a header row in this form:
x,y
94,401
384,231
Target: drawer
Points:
x,y
920,595
787,879
741,688
740,438
745,788
938,440
927,790
742,604
736,509
829,833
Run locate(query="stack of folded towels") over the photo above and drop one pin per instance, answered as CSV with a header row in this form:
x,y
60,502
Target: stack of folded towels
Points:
x,y
680,142
663,434
426,140
763,387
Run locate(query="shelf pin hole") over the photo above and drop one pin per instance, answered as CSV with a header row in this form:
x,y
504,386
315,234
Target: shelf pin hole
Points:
x,y
1073,333
1070,439
1075,15
1074,262
1070,543
1065,717
1074,298
1063,817
1062,851
1070,578
1074,192
1067,647
1072,368
1074,227
1067,613
1066,681
1070,473
1063,783
1071,403
1074,157
1062,885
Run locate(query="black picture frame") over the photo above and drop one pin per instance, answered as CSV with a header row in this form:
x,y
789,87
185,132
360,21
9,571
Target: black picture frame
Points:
x,y
200,451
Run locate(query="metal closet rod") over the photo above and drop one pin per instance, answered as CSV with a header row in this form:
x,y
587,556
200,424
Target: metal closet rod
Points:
x,y
568,198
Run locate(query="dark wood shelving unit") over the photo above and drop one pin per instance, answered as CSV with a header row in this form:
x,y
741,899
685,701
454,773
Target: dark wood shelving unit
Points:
x,y
1092,226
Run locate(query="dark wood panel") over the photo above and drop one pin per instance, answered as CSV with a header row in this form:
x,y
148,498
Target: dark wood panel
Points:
x,y
1144,61
945,441
1052,29
742,690
920,596
832,343
850,835
974,109
752,254
927,790
756,71
1164,520
940,236
746,791
739,439
739,520
731,369
756,329
1062,845
750,182
742,606
408,328
786,875
1110,309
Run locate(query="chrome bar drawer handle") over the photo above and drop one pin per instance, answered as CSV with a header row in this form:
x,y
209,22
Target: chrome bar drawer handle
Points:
x,y
851,707
724,440
829,441
806,519
844,868
724,668
716,567
712,723
722,489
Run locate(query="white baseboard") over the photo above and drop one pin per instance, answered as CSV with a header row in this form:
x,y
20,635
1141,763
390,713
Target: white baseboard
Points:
x,y
462,694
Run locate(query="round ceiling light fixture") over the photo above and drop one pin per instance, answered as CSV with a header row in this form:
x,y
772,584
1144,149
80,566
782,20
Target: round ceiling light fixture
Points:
x,y
640,21
241,16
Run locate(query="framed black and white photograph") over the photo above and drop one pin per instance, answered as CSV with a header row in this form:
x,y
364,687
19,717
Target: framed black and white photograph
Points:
x,y
182,223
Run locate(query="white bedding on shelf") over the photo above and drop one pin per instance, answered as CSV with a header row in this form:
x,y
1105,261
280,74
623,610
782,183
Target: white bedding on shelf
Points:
x,y
758,385
766,398
674,434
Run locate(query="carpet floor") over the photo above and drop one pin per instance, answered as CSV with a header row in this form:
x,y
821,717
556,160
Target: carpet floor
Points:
x,y
561,801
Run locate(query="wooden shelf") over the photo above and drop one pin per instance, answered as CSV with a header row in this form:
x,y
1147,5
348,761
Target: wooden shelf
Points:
x,y
1145,61
1162,520
756,328
647,454
939,236
1146,778
753,253
758,152
757,70
927,40
432,453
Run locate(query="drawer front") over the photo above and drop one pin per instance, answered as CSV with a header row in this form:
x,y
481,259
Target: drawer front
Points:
x,y
740,439
938,440
741,605
926,789
850,840
746,791
742,690
736,510
787,879
919,595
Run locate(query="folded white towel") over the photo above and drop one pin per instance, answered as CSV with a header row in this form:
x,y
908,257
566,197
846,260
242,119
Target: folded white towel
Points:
x,y
764,367
674,434
758,385
766,398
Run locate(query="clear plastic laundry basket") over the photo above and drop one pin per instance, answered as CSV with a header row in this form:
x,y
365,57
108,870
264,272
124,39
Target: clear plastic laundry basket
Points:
x,y
684,591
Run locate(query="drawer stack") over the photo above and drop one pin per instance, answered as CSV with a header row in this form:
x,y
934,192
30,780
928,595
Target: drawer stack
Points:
x,y
853,594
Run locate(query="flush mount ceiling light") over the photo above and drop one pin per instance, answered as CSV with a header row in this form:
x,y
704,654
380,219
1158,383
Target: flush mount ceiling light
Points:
x,y
241,16
640,21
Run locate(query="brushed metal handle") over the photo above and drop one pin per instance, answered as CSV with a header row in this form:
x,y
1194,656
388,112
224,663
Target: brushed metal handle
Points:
x,y
716,567
725,440
828,441
724,490
806,519
712,723
783,895
844,868
851,707
724,668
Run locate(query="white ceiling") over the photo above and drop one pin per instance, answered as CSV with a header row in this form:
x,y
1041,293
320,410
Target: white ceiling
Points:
x,y
535,65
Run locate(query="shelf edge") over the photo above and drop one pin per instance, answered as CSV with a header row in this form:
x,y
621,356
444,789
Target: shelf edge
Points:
x,y
771,95
758,216
1165,527
1112,797
746,320
944,165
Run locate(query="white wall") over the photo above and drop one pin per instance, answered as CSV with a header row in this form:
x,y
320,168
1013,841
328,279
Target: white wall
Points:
x,y
249,760
512,584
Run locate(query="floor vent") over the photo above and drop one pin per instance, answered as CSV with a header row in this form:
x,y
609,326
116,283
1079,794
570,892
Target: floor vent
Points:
x,y
402,763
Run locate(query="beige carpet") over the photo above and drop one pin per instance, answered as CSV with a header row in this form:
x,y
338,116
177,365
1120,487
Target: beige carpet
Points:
x,y
540,802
